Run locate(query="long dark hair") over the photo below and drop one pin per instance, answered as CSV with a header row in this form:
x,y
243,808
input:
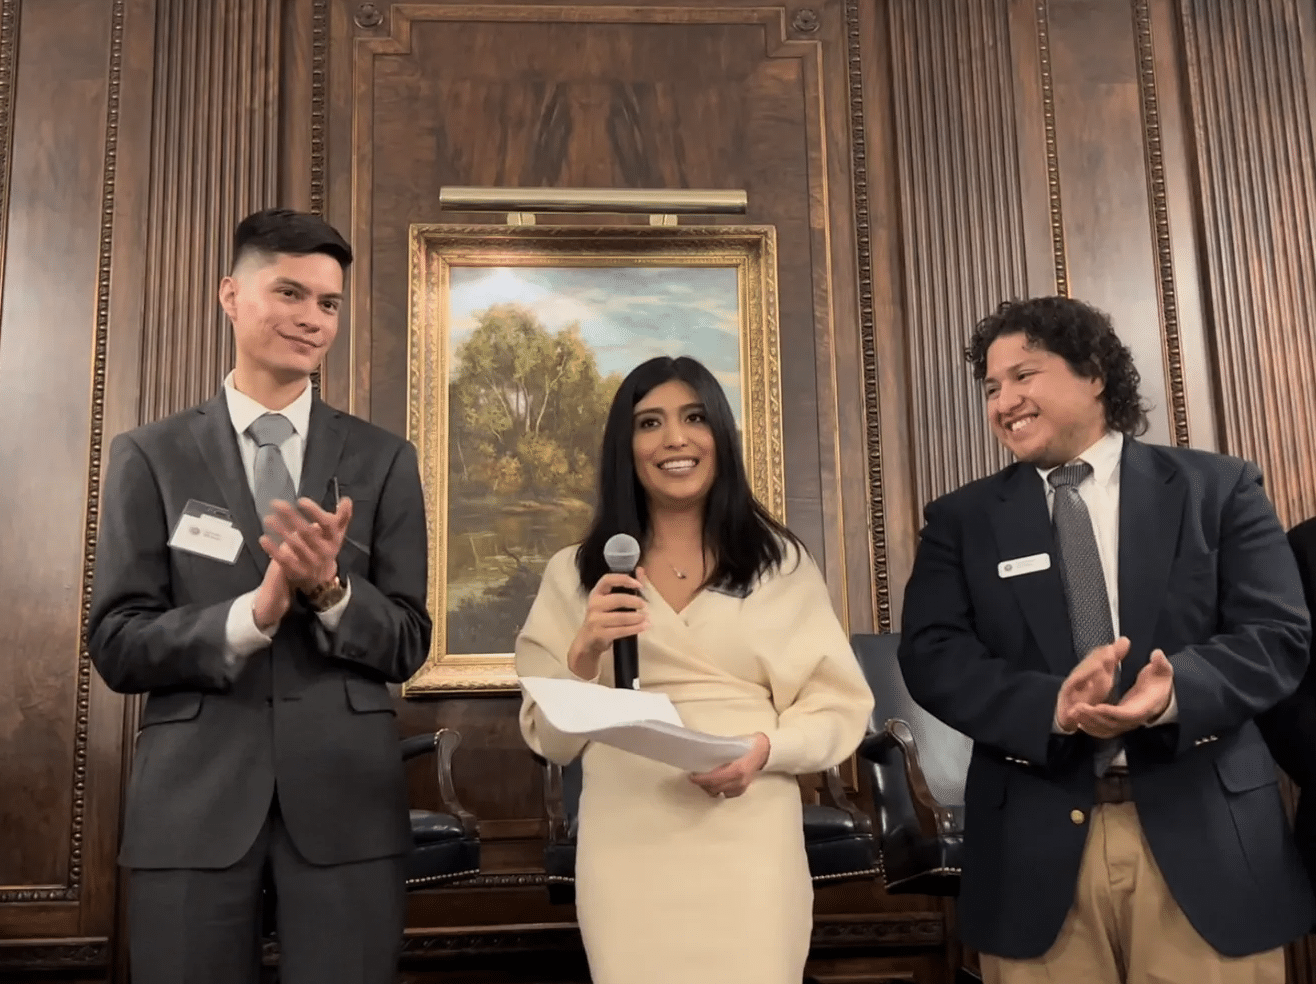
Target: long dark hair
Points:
x,y
745,541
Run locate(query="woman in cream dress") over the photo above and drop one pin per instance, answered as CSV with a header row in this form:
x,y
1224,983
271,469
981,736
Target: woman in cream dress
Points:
x,y
686,879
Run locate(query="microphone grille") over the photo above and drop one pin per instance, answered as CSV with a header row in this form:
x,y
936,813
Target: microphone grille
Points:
x,y
622,553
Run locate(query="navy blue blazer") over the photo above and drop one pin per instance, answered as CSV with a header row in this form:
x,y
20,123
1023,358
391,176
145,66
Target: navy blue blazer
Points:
x,y
1290,726
1205,575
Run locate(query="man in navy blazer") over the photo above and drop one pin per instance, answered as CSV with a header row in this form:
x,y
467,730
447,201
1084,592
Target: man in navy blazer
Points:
x,y
1105,619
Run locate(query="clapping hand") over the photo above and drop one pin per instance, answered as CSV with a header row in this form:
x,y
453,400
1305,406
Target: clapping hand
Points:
x,y
1144,702
305,539
1089,683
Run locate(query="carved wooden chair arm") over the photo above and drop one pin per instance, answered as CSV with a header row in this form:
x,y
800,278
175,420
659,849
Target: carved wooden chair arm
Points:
x,y
900,733
448,740
555,810
839,799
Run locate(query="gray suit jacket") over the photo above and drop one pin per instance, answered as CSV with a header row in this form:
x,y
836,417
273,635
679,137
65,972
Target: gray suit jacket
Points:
x,y
309,714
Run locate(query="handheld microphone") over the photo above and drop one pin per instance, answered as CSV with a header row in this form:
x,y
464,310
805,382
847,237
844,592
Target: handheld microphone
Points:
x,y
622,553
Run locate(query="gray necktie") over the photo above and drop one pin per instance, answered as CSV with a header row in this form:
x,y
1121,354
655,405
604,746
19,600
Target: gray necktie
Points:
x,y
1085,583
272,479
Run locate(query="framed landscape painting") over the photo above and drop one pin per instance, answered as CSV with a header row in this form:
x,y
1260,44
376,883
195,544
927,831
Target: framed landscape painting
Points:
x,y
519,338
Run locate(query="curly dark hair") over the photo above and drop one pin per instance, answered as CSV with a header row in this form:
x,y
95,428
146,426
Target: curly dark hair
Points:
x,y
1079,334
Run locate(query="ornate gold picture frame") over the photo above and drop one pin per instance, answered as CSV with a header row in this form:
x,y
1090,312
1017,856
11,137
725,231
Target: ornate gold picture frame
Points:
x,y
518,338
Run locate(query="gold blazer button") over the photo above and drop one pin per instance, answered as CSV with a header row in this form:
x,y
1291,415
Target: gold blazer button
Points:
x,y
1077,817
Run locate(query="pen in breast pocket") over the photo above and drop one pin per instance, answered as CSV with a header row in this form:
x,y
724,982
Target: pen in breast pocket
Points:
x,y
338,498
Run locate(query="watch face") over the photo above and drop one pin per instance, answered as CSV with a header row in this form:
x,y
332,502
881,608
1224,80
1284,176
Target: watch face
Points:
x,y
327,595
329,598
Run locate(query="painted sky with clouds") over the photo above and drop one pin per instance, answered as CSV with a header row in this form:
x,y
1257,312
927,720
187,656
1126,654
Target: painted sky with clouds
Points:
x,y
626,314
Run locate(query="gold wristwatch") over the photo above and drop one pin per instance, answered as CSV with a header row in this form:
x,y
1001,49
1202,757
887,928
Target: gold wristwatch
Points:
x,y
324,596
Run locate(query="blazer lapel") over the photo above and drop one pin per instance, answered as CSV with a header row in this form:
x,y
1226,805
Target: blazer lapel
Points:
x,y
324,446
1151,511
1022,526
213,431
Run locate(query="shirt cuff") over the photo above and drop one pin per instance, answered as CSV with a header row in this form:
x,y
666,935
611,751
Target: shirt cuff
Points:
x,y
242,636
331,616
1171,713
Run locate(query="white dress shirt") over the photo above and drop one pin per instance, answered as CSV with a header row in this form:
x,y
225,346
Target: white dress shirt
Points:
x,y
1100,492
242,637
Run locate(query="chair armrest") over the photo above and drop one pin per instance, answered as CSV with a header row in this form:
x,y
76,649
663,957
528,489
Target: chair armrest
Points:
x,y
444,742
447,741
899,735
836,794
419,745
554,804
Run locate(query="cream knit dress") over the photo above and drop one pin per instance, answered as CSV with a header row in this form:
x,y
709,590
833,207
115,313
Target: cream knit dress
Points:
x,y
672,886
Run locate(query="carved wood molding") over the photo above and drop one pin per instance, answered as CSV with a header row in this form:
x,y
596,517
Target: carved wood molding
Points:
x,y
70,891
902,929
867,323
96,444
899,930
211,165
551,939
66,954
319,88
9,17
1250,85
1160,213
1052,153
393,37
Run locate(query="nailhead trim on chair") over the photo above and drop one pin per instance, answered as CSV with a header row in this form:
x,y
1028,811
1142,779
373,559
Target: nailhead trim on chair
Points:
x,y
848,874
878,869
437,879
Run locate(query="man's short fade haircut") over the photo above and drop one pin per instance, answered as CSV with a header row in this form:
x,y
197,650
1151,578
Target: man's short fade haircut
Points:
x,y
275,231
1083,337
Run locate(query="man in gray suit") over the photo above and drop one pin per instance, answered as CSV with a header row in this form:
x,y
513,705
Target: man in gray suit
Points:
x,y
268,749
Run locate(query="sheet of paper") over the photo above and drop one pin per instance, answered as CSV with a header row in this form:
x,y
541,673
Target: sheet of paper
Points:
x,y
636,721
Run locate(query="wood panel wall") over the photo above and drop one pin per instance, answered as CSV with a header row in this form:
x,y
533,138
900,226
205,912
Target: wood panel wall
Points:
x,y
920,159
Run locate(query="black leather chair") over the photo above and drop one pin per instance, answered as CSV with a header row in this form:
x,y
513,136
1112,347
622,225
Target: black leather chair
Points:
x,y
446,844
915,764
838,836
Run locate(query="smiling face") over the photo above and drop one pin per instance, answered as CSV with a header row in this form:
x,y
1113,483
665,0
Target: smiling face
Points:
x,y
675,453
1037,406
284,310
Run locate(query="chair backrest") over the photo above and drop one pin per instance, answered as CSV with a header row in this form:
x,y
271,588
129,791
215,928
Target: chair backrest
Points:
x,y
943,753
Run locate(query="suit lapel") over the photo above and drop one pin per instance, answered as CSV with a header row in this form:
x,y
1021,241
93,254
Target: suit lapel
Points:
x,y
1022,525
1151,512
324,446
213,431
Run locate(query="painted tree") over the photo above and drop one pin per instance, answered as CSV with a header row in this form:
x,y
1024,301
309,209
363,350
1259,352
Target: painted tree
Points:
x,y
527,407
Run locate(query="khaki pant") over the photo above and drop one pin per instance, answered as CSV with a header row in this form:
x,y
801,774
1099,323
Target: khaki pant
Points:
x,y
1125,927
